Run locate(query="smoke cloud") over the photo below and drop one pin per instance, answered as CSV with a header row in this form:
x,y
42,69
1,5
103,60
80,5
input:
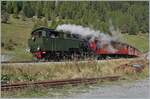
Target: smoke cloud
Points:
x,y
103,40
77,29
115,33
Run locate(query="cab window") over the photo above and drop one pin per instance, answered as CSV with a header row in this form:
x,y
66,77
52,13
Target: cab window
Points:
x,y
40,33
43,33
35,34
52,34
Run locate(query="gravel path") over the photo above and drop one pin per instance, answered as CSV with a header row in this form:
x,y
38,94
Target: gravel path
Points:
x,y
5,58
139,89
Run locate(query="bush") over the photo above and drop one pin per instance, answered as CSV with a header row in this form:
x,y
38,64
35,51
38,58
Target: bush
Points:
x,y
10,45
2,44
4,17
5,78
39,22
22,16
15,16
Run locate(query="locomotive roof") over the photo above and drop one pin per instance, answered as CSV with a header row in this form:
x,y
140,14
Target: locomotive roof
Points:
x,y
50,30
44,28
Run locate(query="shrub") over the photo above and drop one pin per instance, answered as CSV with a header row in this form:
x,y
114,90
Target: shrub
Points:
x,y
4,17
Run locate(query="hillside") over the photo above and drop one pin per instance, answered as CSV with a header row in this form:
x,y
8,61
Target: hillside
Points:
x,y
140,42
16,34
14,38
17,31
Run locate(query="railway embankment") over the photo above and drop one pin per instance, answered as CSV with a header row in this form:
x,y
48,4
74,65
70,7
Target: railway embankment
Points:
x,y
129,68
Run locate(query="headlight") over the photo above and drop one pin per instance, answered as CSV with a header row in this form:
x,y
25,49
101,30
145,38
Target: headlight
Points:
x,y
33,38
38,48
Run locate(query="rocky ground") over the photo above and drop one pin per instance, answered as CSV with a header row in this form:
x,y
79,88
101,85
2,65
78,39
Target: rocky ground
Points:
x,y
138,89
5,57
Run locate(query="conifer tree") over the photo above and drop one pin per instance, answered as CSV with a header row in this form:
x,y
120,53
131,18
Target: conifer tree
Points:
x,y
22,15
9,7
128,16
15,9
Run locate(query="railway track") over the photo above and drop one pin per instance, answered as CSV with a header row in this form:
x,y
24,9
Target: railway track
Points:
x,y
56,83
60,62
28,62
8,62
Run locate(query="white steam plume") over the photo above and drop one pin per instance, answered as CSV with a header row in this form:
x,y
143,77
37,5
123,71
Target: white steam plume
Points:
x,y
77,29
116,34
84,32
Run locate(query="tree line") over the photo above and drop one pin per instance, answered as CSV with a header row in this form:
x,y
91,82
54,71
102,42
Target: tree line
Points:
x,y
128,16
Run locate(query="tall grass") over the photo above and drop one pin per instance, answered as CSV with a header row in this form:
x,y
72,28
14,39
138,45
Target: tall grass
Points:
x,y
38,72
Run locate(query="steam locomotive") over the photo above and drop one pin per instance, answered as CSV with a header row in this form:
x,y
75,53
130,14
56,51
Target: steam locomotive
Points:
x,y
49,44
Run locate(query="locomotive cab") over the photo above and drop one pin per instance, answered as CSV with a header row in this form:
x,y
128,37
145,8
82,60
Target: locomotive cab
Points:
x,y
46,42
44,33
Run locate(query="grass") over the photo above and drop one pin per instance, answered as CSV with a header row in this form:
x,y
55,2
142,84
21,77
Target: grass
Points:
x,y
57,71
17,30
15,35
21,55
140,42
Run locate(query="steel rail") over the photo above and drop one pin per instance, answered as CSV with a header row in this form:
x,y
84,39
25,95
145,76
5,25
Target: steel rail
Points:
x,y
56,83
5,62
35,62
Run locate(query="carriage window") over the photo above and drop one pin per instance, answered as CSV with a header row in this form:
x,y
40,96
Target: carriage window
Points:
x,y
48,33
43,33
35,34
52,34
68,35
39,33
